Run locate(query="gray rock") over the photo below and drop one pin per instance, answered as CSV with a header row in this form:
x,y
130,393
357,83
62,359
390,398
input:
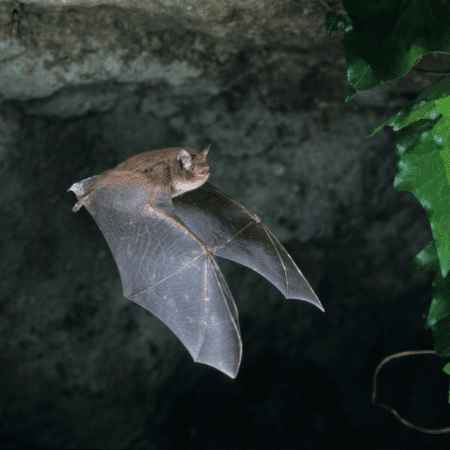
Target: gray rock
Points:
x,y
83,87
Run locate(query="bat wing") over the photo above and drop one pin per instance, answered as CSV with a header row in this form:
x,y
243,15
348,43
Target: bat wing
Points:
x,y
234,233
166,270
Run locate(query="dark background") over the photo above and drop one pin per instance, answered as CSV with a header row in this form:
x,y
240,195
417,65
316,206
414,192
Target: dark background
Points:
x,y
82,367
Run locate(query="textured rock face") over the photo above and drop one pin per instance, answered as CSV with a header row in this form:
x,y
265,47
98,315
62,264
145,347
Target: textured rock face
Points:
x,y
83,87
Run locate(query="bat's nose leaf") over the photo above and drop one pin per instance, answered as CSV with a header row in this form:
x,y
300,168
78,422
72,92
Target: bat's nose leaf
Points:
x,y
202,315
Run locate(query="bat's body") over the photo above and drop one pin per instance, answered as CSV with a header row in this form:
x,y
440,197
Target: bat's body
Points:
x,y
164,224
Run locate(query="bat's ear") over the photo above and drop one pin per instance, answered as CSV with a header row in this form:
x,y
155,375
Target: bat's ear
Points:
x,y
205,152
185,158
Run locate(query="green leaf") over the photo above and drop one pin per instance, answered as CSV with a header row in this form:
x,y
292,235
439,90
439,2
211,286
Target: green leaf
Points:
x,y
441,336
446,369
423,107
334,21
384,39
438,90
427,259
440,304
351,91
372,9
424,169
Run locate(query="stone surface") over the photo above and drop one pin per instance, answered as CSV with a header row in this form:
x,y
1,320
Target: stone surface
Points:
x,y
84,87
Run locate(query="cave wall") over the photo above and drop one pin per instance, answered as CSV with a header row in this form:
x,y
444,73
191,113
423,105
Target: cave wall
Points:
x,y
84,86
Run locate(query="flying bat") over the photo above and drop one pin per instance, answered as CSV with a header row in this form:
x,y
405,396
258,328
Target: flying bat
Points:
x,y
165,224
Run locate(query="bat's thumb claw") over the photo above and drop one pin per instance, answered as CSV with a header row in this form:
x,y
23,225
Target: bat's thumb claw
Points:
x,y
82,189
77,206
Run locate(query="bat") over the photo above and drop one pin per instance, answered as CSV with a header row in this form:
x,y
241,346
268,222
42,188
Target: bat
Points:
x,y
164,224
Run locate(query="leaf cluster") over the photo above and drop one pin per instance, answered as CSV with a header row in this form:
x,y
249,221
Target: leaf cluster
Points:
x,y
382,41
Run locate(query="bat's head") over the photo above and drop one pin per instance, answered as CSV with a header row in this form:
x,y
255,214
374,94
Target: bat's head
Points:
x,y
193,170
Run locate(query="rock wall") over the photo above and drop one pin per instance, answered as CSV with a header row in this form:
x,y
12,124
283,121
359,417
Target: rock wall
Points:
x,y
83,86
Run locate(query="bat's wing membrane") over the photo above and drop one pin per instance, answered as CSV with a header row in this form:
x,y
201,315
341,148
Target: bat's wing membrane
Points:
x,y
233,233
166,271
